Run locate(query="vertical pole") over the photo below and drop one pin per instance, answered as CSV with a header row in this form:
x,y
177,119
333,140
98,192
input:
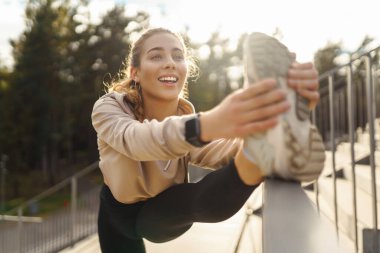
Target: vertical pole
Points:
x,y
3,172
371,120
74,189
19,228
332,141
351,128
316,187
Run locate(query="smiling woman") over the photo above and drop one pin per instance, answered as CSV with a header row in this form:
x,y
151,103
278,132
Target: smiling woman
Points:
x,y
161,74
148,133
157,73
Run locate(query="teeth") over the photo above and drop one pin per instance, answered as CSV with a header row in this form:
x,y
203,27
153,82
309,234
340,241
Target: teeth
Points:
x,y
168,79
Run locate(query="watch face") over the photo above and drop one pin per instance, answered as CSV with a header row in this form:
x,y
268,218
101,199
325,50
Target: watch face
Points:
x,y
193,132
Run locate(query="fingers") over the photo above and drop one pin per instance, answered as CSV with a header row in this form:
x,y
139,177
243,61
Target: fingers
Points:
x,y
270,111
257,127
272,96
309,84
258,107
304,71
312,96
260,87
303,77
262,119
305,65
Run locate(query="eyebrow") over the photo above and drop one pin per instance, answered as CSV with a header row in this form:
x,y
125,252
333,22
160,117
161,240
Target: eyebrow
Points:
x,y
162,49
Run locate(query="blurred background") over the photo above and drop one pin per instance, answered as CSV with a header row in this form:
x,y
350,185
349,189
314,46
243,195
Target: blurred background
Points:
x,y
57,55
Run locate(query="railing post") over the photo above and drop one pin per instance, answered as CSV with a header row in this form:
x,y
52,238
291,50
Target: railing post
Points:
x,y
351,128
316,187
19,228
74,193
370,111
3,172
332,143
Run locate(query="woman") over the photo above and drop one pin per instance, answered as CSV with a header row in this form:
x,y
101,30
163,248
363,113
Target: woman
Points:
x,y
148,133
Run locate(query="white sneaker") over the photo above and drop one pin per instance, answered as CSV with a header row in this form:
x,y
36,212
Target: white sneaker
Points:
x,y
293,149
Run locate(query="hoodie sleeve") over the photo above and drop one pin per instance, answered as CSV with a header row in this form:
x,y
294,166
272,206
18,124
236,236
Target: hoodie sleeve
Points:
x,y
216,154
116,125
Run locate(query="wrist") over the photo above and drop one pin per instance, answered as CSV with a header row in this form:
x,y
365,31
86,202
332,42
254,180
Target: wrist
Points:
x,y
193,131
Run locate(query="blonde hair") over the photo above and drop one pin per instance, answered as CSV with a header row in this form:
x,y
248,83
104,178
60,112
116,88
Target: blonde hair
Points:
x,y
127,85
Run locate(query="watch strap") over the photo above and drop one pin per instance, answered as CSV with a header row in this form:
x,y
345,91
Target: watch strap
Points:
x,y
193,132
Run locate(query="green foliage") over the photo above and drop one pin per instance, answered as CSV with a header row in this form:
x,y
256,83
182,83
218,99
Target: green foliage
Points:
x,y
324,59
213,83
61,64
38,90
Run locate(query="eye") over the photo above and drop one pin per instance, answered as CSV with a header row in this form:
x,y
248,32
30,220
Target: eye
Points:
x,y
156,57
178,57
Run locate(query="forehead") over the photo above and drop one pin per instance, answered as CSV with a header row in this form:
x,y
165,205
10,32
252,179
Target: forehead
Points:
x,y
165,41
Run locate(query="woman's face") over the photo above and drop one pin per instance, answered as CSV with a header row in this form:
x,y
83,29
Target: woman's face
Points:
x,y
163,69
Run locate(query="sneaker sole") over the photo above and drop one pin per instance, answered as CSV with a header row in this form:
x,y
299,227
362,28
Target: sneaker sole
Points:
x,y
298,155
271,59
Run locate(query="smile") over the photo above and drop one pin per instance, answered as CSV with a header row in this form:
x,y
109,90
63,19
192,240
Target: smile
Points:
x,y
168,79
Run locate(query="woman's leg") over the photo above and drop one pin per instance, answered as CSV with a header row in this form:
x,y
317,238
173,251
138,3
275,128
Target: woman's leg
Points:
x,y
218,196
116,226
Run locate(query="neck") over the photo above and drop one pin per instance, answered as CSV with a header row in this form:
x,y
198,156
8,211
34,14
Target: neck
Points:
x,y
159,110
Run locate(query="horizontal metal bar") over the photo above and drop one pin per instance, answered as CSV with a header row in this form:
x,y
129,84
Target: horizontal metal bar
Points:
x,y
291,222
22,218
56,187
334,70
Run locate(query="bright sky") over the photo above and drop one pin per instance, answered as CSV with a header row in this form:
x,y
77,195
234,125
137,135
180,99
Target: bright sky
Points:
x,y
306,25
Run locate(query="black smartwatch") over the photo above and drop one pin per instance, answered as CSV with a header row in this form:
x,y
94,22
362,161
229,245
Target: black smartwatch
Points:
x,y
193,132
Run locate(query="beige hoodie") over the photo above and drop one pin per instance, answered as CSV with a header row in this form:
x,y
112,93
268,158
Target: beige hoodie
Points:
x,y
140,160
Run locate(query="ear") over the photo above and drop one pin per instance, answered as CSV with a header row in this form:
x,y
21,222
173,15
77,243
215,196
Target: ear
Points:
x,y
134,74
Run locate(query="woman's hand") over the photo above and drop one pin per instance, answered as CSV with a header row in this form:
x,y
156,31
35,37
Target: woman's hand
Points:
x,y
303,77
246,111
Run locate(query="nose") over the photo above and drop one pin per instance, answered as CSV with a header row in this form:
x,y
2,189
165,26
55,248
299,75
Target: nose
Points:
x,y
170,63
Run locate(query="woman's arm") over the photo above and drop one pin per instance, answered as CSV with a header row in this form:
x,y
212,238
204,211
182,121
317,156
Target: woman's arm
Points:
x,y
141,141
216,154
243,112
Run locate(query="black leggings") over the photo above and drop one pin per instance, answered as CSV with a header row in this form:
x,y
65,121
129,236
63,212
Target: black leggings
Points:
x,y
216,197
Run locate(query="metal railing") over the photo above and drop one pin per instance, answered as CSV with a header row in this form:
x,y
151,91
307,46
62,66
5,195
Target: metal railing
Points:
x,y
62,215
288,220
349,99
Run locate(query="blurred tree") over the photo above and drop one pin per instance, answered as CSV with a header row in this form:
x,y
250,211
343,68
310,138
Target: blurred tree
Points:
x,y
62,61
5,104
325,58
101,51
37,87
213,83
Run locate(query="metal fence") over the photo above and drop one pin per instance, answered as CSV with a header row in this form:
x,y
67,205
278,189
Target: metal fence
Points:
x,y
55,219
349,106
